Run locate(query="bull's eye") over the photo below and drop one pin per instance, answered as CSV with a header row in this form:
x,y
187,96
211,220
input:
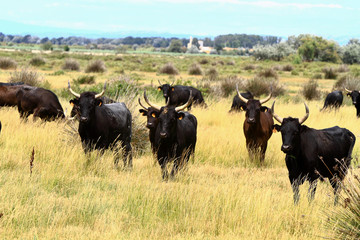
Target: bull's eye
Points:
x,y
153,115
159,89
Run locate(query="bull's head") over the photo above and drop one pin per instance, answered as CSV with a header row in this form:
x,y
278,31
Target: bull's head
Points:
x,y
166,89
151,114
355,95
290,129
253,107
168,116
87,102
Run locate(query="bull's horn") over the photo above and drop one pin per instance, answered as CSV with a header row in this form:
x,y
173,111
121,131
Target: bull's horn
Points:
x,y
72,91
102,93
156,107
182,107
172,83
159,82
168,102
347,90
279,119
141,104
262,101
241,97
301,121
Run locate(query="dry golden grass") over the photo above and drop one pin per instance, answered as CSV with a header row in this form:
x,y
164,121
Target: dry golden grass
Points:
x,y
221,195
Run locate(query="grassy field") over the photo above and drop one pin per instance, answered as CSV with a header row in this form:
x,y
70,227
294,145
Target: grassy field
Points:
x,y
222,194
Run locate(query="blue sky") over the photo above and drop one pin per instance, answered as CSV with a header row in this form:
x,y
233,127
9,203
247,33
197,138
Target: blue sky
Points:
x,y
329,18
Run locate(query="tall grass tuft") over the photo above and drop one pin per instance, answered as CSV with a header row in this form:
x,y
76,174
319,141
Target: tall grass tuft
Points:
x,y
311,90
259,86
71,64
27,76
37,61
212,74
85,79
96,66
195,69
267,73
228,85
169,68
329,73
7,63
343,222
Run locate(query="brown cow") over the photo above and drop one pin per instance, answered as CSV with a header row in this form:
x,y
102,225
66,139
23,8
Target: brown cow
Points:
x,y
257,125
8,93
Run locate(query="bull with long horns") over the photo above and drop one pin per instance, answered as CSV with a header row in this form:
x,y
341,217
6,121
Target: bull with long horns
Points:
x,y
102,125
355,97
257,125
175,135
312,154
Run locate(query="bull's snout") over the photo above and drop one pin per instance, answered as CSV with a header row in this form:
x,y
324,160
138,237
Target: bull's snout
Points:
x,y
251,120
149,125
354,102
286,148
84,119
163,135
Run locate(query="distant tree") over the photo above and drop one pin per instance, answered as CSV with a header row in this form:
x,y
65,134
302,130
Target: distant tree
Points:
x,y
175,46
44,40
354,41
66,48
195,42
219,47
307,50
208,42
351,53
47,46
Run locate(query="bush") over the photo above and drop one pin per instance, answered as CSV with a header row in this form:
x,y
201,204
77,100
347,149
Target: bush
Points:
x,y
26,76
351,53
317,76
97,66
259,86
329,73
195,69
349,81
343,68
71,64
212,73
37,61
204,61
231,63
47,46
228,85
249,67
221,62
311,90
118,58
66,48
273,52
287,68
343,221
7,63
169,68
267,73
86,79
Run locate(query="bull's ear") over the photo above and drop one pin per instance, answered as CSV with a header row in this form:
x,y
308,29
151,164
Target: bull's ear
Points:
x,y
74,102
143,112
180,115
276,128
159,88
242,108
172,89
99,102
264,109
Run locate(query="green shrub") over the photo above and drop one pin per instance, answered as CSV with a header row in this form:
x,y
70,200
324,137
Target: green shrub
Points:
x,y
350,82
228,85
71,64
37,61
26,76
249,67
287,68
212,73
66,48
311,90
317,76
259,86
58,73
118,58
329,73
231,63
195,69
204,61
294,73
96,66
7,63
343,68
85,79
169,68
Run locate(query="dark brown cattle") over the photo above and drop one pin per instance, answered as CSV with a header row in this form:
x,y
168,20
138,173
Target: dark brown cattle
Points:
x,y
257,125
8,93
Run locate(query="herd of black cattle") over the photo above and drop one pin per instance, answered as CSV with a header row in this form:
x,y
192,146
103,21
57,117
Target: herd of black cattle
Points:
x,y
311,154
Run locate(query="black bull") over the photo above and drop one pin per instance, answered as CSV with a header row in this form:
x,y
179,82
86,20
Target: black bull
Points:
x,y
312,154
333,100
174,136
101,125
179,95
238,104
355,97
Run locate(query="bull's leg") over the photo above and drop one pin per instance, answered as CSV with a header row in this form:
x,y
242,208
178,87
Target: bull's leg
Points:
x,y
295,188
312,190
262,152
164,172
335,183
127,155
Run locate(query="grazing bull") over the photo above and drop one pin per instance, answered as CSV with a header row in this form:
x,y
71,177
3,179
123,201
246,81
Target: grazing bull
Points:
x,y
8,93
41,102
175,136
75,111
179,95
313,154
355,96
152,122
238,104
101,125
333,100
257,125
